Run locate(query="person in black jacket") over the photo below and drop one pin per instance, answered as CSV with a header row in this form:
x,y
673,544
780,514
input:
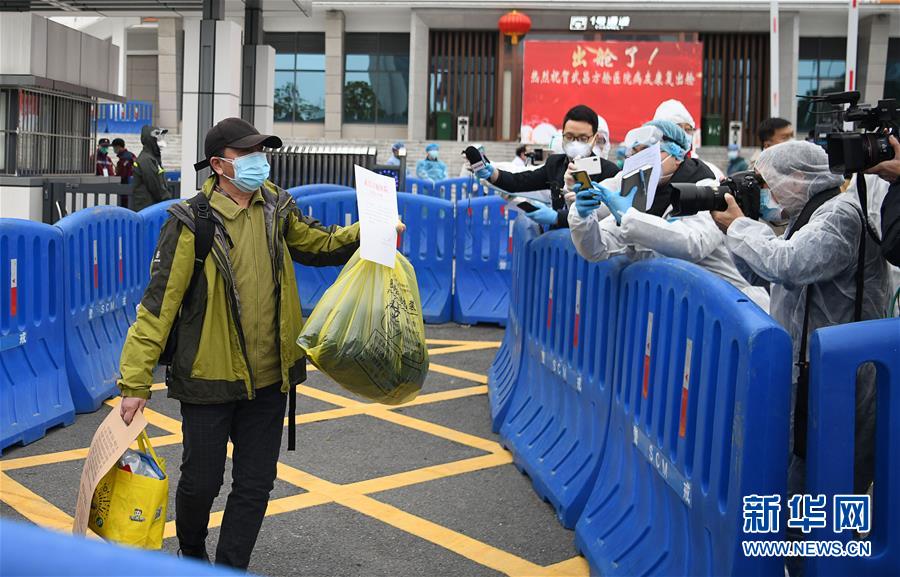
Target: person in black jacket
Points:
x,y
149,177
579,135
889,170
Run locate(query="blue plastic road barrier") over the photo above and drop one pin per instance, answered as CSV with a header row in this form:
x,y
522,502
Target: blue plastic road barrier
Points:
x,y
835,354
484,241
173,175
34,388
419,186
153,218
456,189
299,192
331,208
27,551
102,283
504,371
699,421
428,244
558,415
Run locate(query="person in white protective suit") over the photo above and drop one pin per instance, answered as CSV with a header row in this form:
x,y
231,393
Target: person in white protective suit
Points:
x,y
814,263
618,228
602,146
675,111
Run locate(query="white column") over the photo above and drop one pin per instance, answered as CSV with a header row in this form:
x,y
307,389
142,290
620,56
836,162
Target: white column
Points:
x,y
120,39
264,90
418,77
774,77
167,45
225,95
789,63
874,33
334,73
852,39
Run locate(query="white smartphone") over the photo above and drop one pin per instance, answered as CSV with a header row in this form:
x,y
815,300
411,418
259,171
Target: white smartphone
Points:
x,y
589,164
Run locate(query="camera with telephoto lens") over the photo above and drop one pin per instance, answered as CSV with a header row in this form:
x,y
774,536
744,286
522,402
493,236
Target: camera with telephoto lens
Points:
x,y
688,199
851,152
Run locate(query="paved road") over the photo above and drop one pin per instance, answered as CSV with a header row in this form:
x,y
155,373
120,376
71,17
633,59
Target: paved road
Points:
x,y
419,490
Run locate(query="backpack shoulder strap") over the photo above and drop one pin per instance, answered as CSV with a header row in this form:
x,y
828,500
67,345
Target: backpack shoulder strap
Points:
x,y
204,231
810,207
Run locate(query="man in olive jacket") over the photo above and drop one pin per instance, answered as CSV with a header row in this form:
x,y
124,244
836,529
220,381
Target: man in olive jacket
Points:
x,y
235,359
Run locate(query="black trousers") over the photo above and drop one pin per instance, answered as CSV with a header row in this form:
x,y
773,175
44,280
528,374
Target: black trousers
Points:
x,y
255,429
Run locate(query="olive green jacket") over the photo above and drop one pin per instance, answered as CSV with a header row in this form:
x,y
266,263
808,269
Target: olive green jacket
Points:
x,y
210,362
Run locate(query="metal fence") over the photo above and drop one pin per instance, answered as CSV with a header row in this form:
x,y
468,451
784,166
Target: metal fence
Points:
x,y
43,132
316,164
63,198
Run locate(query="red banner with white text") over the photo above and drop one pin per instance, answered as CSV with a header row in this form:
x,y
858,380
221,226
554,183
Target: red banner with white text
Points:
x,y
622,81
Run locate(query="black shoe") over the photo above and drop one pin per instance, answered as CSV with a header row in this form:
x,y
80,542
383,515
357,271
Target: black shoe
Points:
x,y
192,553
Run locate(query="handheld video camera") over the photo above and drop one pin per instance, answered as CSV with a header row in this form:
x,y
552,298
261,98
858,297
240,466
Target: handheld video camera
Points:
x,y
851,152
688,199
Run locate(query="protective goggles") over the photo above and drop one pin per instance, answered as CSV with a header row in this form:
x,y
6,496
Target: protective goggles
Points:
x,y
645,136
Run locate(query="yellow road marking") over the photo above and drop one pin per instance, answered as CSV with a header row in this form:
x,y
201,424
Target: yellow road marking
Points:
x,y
574,567
432,473
458,373
154,418
450,342
437,430
275,507
459,543
462,349
444,396
73,455
32,506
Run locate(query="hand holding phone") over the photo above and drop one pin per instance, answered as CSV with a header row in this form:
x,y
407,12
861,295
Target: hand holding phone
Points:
x,y
581,177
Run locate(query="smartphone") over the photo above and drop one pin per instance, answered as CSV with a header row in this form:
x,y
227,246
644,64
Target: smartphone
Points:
x,y
475,158
589,164
523,204
582,178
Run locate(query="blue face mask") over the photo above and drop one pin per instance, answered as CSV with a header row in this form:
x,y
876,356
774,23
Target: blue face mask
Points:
x,y
768,208
250,171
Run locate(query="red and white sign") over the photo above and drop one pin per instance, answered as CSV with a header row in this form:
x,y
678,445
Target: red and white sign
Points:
x,y
622,81
685,386
96,267
13,287
648,347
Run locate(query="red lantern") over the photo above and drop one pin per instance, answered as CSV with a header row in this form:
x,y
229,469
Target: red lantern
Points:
x,y
514,24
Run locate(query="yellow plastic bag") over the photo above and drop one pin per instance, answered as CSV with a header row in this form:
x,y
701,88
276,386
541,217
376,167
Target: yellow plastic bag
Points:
x,y
367,333
130,509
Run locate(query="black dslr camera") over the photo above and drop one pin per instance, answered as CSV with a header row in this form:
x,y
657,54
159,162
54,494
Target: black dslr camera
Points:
x,y
688,199
851,152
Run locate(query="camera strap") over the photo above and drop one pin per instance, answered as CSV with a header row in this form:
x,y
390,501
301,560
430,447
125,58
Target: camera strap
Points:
x,y
801,407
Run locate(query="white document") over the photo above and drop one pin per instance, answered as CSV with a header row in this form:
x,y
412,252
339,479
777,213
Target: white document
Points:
x,y
109,442
376,198
647,157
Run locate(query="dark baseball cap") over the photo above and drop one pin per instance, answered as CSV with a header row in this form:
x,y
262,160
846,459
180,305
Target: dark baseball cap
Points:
x,y
103,142
234,133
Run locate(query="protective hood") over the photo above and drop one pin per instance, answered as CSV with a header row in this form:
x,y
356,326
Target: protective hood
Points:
x,y
795,171
149,141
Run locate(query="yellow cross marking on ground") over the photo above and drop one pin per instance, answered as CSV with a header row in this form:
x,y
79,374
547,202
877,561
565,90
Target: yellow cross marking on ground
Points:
x,y
354,496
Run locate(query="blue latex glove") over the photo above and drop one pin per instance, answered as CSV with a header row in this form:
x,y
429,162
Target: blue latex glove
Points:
x,y
485,172
618,204
586,201
543,215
